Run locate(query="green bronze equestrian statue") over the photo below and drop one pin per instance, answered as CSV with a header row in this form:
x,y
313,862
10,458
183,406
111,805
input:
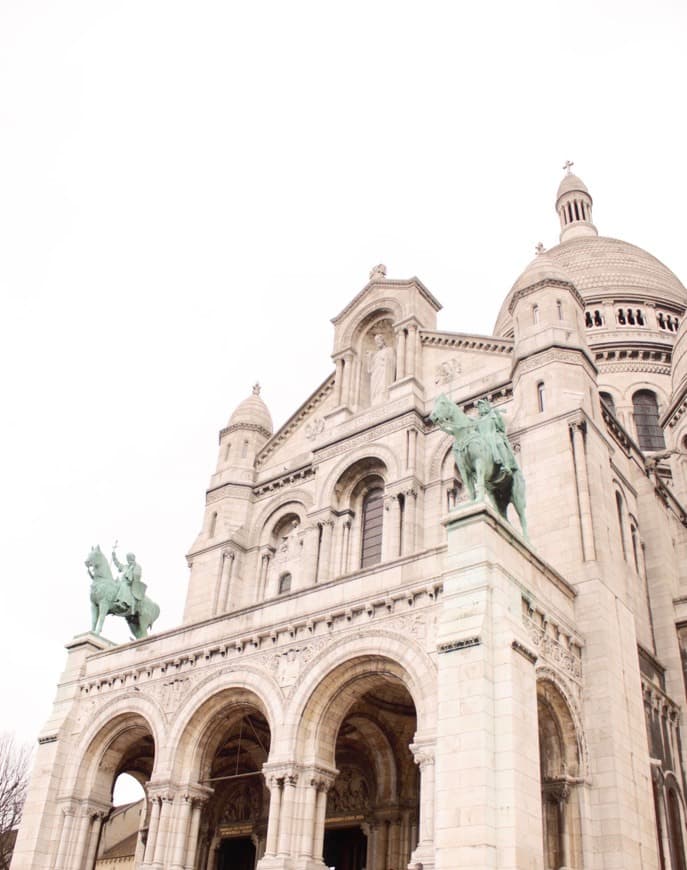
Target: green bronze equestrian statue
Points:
x,y
484,456
124,596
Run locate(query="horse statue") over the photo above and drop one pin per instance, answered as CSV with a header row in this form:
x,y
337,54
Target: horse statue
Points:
x,y
115,596
484,457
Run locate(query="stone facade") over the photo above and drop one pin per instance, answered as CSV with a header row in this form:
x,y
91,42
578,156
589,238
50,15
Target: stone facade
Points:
x,y
374,672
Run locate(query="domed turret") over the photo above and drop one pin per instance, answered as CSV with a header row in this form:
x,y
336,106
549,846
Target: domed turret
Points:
x,y
574,207
248,430
253,412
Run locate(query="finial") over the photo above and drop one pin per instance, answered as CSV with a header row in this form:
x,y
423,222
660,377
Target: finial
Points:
x,y
539,248
378,272
567,166
256,388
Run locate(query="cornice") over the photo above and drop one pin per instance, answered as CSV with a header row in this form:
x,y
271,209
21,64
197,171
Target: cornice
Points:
x,y
387,283
467,341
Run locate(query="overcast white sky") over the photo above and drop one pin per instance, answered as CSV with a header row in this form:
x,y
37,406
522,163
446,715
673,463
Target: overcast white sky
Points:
x,y
190,191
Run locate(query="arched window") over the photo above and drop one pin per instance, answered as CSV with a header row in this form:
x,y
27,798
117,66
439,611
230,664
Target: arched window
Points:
x,y
244,450
213,524
540,396
535,314
608,400
372,520
649,433
284,584
559,309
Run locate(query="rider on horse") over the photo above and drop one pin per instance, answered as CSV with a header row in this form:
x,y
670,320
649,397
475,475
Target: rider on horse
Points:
x,y
131,589
491,427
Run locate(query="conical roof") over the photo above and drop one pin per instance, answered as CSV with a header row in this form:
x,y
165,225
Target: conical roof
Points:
x,y
253,412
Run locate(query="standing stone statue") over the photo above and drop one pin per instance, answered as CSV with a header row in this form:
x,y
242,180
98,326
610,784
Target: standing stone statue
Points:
x,y
381,366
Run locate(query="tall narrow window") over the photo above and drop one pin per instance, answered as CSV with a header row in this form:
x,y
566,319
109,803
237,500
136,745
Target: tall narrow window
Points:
x,y
213,524
535,314
540,396
372,520
244,450
227,451
284,584
649,433
559,309
621,522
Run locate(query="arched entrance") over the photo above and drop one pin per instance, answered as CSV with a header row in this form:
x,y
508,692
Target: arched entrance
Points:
x,y
125,745
559,763
372,805
234,827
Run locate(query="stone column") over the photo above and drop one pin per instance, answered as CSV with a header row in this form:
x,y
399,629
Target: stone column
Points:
x,y
286,816
224,581
579,455
338,378
308,826
265,558
309,558
341,550
94,839
274,783
68,812
409,515
81,829
347,378
182,825
163,833
423,753
324,784
382,846
400,353
192,844
391,529
412,350
326,551
152,831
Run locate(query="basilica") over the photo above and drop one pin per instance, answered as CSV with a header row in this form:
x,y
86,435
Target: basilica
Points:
x,y
377,667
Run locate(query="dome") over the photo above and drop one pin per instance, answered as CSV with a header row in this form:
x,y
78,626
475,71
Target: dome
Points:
x,y
602,267
253,412
571,182
542,268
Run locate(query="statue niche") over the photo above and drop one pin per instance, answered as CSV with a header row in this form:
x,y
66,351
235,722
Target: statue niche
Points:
x,y
379,364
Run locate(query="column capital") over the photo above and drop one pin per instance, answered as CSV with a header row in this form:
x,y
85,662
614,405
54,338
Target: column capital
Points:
x,y
195,793
423,754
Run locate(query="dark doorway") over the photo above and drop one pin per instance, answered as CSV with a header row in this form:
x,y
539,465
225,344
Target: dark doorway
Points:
x,y
345,849
237,853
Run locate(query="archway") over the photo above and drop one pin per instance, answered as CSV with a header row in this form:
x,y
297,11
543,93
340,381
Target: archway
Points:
x,y
234,824
559,762
123,748
366,729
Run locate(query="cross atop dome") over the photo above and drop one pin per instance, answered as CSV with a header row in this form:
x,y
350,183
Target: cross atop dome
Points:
x,y
568,166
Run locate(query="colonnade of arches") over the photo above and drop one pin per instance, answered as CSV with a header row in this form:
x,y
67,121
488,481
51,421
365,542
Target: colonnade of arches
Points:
x,y
346,774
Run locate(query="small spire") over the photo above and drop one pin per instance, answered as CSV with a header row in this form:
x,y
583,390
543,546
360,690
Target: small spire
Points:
x,y
256,388
568,165
539,248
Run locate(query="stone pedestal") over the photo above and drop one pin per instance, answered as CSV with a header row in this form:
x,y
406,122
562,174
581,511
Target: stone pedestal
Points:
x,y
488,805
